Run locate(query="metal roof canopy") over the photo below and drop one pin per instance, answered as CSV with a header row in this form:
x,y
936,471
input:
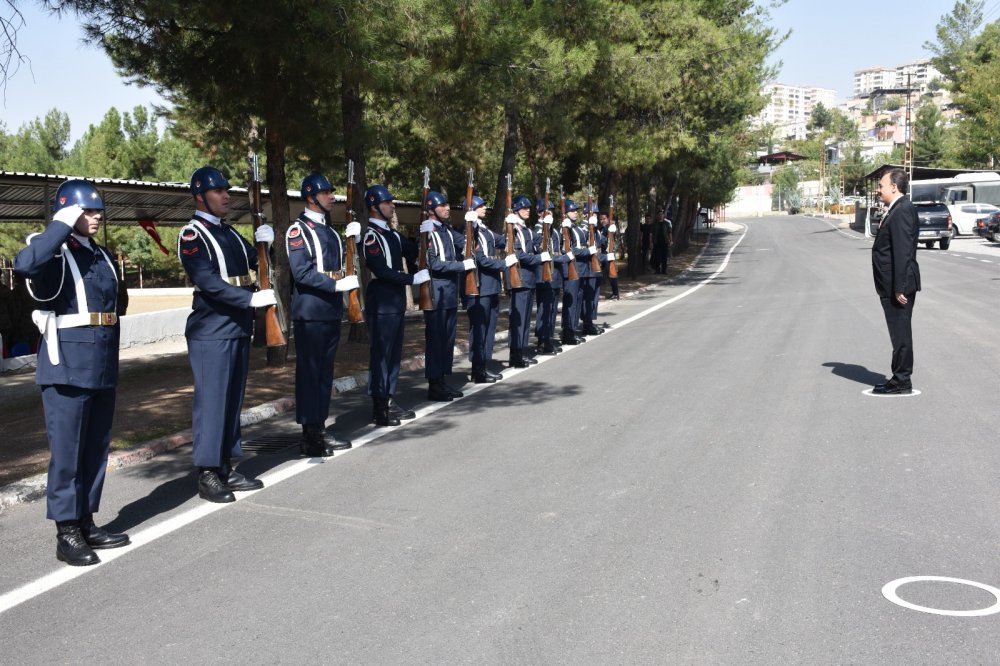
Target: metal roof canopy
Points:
x,y
924,173
780,158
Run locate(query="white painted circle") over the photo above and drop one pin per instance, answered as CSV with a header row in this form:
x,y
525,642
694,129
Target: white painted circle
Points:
x,y
869,393
889,592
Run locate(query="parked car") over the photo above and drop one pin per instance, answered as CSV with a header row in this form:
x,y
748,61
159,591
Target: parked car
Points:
x,y
935,224
989,227
964,216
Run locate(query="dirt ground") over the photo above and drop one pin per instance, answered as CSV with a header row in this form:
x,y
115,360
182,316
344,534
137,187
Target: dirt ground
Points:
x,y
154,394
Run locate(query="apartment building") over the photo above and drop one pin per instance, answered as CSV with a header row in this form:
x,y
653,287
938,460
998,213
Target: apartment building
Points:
x,y
790,107
921,73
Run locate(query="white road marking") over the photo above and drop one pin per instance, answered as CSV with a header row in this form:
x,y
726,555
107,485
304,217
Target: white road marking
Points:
x,y
889,592
67,573
869,393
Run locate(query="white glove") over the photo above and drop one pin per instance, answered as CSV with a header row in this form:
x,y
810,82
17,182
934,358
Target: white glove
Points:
x,y
546,256
421,276
353,229
510,260
260,299
426,227
547,219
567,223
68,215
472,216
592,220
347,283
592,249
264,234
469,264
513,218
610,256
612,229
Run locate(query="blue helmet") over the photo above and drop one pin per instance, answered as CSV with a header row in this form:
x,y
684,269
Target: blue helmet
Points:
x,y
376,194
540,206
207,178
520,202
477,202
313,184
571,205
77,193
435,199
591,209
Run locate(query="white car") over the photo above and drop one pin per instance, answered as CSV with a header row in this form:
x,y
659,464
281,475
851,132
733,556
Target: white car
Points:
x,y
964,216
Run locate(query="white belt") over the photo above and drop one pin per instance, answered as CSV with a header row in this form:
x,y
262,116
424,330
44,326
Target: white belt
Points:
x,y
49,323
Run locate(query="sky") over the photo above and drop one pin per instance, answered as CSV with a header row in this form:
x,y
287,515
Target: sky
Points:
x,y
829,40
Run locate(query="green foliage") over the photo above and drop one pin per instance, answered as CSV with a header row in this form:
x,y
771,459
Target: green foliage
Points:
x,y
977,97
955,36
928,136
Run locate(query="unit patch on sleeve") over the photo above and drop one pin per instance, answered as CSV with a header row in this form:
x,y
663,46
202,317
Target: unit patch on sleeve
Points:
x,y
294,232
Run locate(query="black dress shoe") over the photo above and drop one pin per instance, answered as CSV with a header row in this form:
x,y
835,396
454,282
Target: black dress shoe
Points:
x,y
517,360
530,361
482,378
571,339
72,548
380,413
893,389
494,375
236,482
590,329
400,413
454,392
99,538
438,393
211,488
337,444
313,444
548,348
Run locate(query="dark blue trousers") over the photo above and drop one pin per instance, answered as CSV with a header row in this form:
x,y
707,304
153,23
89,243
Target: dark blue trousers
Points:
x,y
545,319
220,378
439,341
520,317
571,305
385,353
78,424
315,350
483,312
590,291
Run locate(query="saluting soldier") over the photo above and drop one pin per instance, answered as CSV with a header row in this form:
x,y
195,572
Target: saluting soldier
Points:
x,y
74,281
440,324
572,291
316,258
547,294
221,264
484,309
526,250
385,302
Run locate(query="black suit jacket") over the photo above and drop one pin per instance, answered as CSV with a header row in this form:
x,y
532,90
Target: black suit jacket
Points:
x,y
894,253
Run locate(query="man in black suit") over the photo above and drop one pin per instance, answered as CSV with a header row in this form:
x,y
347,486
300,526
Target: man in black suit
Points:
x,y
897,276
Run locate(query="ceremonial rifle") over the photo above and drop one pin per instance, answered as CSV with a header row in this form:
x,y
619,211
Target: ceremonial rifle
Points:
x,y
546,230
354,313
612,265
273,334
595,263
571,272
471,277
426,299
515,270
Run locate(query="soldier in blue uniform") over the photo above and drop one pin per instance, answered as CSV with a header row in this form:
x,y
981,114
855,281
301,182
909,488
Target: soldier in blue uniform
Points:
x,y
605,228
385,302
440,324
526,249
315,257
572,290
590,287
547,294
484,308
220,264
74,281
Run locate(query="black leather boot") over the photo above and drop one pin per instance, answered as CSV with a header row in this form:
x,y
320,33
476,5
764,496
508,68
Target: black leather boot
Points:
x,y
71,547
332,441
380,412
437,391
312,444
517,359
480,376
211,487
590,329
399,412
571,338
235,481
98,538
455,393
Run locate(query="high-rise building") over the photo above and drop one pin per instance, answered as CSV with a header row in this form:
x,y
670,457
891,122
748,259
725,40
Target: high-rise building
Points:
x,y
921,72
790,107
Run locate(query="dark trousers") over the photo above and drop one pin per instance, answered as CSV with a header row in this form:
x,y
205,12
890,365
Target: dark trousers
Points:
x,y
483,312
545,319
590,291
220,378
316,345
520,318
78,425
898,319
439,341
385,353
571,305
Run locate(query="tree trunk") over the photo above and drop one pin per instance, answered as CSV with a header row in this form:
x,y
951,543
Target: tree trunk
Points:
x,y
507,162
632,234
280,282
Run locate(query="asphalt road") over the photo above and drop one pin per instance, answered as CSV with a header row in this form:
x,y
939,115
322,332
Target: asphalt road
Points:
x,y
707,483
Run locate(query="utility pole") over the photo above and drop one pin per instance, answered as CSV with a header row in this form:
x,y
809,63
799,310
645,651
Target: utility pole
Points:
x,y
822,176
908,150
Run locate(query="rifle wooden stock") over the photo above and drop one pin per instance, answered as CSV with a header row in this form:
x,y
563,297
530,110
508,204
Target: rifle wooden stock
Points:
x,y
471,278
354,313
273,335
515,270
546,243
571,272
426,299
612,265
595,263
